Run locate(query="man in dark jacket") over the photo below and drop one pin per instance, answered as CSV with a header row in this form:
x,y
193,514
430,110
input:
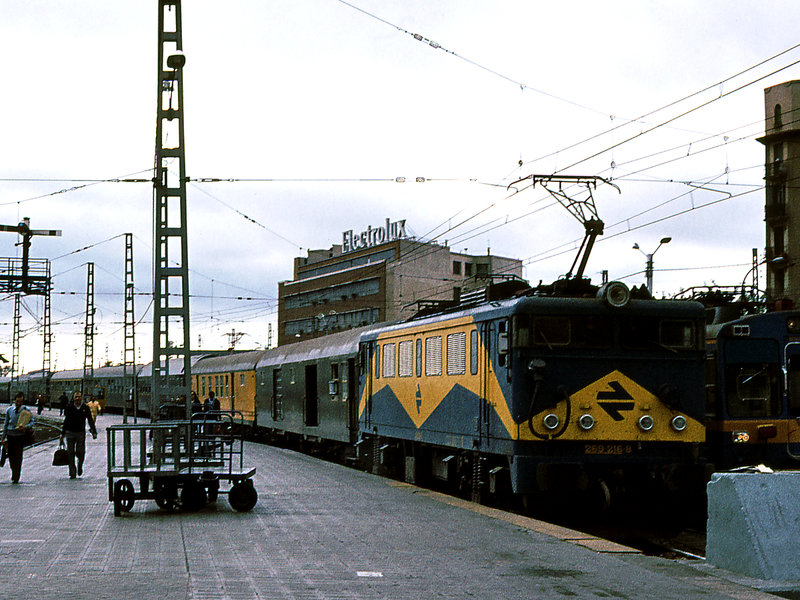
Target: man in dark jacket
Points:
x,y
76,415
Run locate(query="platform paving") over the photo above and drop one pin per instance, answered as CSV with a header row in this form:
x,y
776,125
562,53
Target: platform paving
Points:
x,y
319,531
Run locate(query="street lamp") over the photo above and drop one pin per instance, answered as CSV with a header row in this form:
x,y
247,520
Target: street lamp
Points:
x,y
648,271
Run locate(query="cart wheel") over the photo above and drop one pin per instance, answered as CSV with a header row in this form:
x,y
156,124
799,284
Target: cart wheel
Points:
x,y
243,496
193,495
166,494
212,485
124,496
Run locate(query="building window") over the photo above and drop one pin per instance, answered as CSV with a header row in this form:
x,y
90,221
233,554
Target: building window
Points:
x,y
457,353
433,355
778,117
482,270
468,269
456,267
405,353
388,360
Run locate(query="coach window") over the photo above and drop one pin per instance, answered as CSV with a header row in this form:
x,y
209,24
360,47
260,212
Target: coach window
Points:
x,y
388,360
333,382
241,380
203,386
344,379
405,363
377,361
433,355
419,357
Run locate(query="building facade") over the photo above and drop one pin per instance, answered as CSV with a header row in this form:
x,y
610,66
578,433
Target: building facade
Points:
x,y
782,211
375,277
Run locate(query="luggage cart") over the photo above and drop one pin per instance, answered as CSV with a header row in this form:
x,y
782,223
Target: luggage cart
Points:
x,y
180,463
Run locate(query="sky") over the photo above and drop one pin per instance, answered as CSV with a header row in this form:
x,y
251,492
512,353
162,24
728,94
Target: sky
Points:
x,y
315,108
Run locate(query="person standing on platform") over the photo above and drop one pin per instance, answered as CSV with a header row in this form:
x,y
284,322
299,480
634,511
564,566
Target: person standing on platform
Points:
x,y
197,406
17,429
39,404
76,416
212,404
63,401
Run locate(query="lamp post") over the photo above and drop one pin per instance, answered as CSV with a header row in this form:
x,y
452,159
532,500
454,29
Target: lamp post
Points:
x,y
648,271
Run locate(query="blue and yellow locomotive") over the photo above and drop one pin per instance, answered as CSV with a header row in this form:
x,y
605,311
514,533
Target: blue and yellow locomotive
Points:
x,y
593,391
754,391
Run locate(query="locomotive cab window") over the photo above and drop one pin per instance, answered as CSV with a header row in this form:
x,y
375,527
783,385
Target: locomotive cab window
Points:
x,y
644,333
753,390
502,343
793,375
579,331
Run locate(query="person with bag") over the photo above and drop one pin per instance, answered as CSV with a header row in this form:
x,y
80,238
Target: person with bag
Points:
x,y
76,415
17,431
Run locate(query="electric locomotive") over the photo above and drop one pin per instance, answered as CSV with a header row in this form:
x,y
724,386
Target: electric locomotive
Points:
x,y
753,391
579,393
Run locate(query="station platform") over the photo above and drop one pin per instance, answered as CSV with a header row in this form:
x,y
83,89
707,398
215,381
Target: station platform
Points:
x,y
319,531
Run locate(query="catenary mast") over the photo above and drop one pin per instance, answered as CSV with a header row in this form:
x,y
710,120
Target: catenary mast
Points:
x,y
171,364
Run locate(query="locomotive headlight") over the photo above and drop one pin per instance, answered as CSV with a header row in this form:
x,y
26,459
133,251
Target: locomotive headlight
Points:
x,y
679,423
616,294
586,422
551,421
793,325
646,422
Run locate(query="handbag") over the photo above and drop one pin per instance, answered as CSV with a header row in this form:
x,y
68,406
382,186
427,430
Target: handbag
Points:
x,y
61,456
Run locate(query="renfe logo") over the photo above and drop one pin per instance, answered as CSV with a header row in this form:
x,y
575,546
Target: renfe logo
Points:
x,y
372,237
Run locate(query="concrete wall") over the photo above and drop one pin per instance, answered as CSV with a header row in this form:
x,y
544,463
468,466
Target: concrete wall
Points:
x,y
754,524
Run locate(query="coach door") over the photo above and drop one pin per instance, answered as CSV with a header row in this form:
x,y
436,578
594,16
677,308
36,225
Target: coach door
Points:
x,y
352,400
365,370
312,400
792,366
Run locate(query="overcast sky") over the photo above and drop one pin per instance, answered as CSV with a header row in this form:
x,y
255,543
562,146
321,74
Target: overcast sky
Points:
x,y
331,101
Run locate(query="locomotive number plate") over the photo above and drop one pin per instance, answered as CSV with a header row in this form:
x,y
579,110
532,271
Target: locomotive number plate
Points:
x,y
614,449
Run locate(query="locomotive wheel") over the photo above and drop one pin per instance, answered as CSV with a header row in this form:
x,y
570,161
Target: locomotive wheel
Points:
x,y
124,496
193,495
243,496
166,493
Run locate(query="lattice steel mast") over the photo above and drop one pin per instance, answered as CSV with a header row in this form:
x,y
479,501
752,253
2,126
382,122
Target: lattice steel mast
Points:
x,y
48,336
88,332
170,251
131,404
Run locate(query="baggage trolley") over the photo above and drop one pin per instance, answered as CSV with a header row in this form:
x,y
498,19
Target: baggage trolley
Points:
x,y
180,464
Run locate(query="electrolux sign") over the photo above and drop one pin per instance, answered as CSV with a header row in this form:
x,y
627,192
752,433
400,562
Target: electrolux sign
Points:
x,y
373,236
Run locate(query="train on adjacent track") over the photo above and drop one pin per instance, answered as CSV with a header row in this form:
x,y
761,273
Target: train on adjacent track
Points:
x,y
567,391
